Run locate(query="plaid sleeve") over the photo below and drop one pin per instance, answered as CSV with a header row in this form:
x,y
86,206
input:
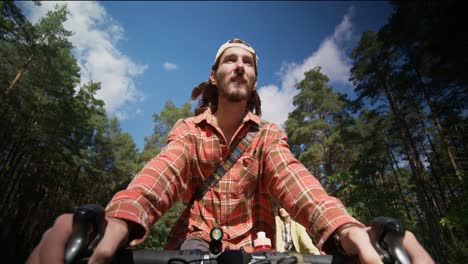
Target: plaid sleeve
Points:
x,y
157,186
300,193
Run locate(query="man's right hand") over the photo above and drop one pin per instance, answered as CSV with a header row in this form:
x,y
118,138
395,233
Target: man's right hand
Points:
x,y
52,245
357,241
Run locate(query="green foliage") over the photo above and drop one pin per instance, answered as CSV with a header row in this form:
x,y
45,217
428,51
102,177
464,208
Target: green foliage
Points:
x,y
58,150
163,123
13,24
311,127
456,217
457,253
410,75
399,148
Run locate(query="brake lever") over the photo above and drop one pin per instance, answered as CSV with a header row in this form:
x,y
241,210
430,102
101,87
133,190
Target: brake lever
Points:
x,y
85,235
389,234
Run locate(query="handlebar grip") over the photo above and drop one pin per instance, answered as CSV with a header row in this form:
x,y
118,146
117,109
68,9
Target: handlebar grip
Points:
x,y
389,235
85,234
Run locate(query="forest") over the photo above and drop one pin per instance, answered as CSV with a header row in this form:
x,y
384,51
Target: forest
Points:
x,y
399,149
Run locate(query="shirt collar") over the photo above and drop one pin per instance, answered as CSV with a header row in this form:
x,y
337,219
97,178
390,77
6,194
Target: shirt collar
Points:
x,y
208,117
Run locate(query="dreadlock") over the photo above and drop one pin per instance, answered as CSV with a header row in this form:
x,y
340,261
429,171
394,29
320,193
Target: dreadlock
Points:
x,y
209,92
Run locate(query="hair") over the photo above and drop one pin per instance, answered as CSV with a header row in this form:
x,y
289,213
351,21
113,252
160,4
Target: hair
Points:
x,y
209,92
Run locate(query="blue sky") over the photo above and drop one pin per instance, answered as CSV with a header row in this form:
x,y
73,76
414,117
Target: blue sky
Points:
x,y
145,53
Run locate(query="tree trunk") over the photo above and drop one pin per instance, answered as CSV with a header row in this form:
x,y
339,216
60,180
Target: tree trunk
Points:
x,y
450,154
400,190
9,201
422,183
446,229
18,76
436,120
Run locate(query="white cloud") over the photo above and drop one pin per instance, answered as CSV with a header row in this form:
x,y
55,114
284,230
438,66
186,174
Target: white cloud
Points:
x,y
277,102
169,66
121,116
95,37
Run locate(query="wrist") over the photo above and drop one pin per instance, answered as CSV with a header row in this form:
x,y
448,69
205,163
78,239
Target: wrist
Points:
x,y
122,228
340,236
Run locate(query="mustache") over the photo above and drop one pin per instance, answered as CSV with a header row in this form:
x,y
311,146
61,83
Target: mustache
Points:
x,y
239,72
238,78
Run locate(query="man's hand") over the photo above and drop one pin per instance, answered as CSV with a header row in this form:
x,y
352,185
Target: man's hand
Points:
x,y
357,241
52,245
115,237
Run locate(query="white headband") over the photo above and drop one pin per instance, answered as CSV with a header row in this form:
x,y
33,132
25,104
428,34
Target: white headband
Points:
x,y
239,45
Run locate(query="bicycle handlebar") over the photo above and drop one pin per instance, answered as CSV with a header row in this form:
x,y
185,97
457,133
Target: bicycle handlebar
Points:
x,y
88,218
145,256
85,235
389,233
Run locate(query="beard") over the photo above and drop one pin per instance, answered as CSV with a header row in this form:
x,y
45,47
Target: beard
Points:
x,y
235,94
237,89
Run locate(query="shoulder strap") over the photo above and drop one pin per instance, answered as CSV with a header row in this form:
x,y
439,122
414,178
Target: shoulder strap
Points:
x,y
226,164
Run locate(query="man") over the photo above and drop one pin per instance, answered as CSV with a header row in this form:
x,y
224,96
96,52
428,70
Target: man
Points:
x,y
292,236
241,201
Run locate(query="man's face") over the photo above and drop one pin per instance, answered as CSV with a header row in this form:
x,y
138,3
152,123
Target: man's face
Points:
x,y
235,77
284,214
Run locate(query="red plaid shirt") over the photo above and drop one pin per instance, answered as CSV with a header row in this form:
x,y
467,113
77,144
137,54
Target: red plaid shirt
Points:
x,y
241,202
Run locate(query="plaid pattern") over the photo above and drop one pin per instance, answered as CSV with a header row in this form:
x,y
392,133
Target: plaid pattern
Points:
x,y
241,201
225,164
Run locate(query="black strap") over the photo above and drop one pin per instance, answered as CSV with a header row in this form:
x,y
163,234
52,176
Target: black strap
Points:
x,y
225,165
